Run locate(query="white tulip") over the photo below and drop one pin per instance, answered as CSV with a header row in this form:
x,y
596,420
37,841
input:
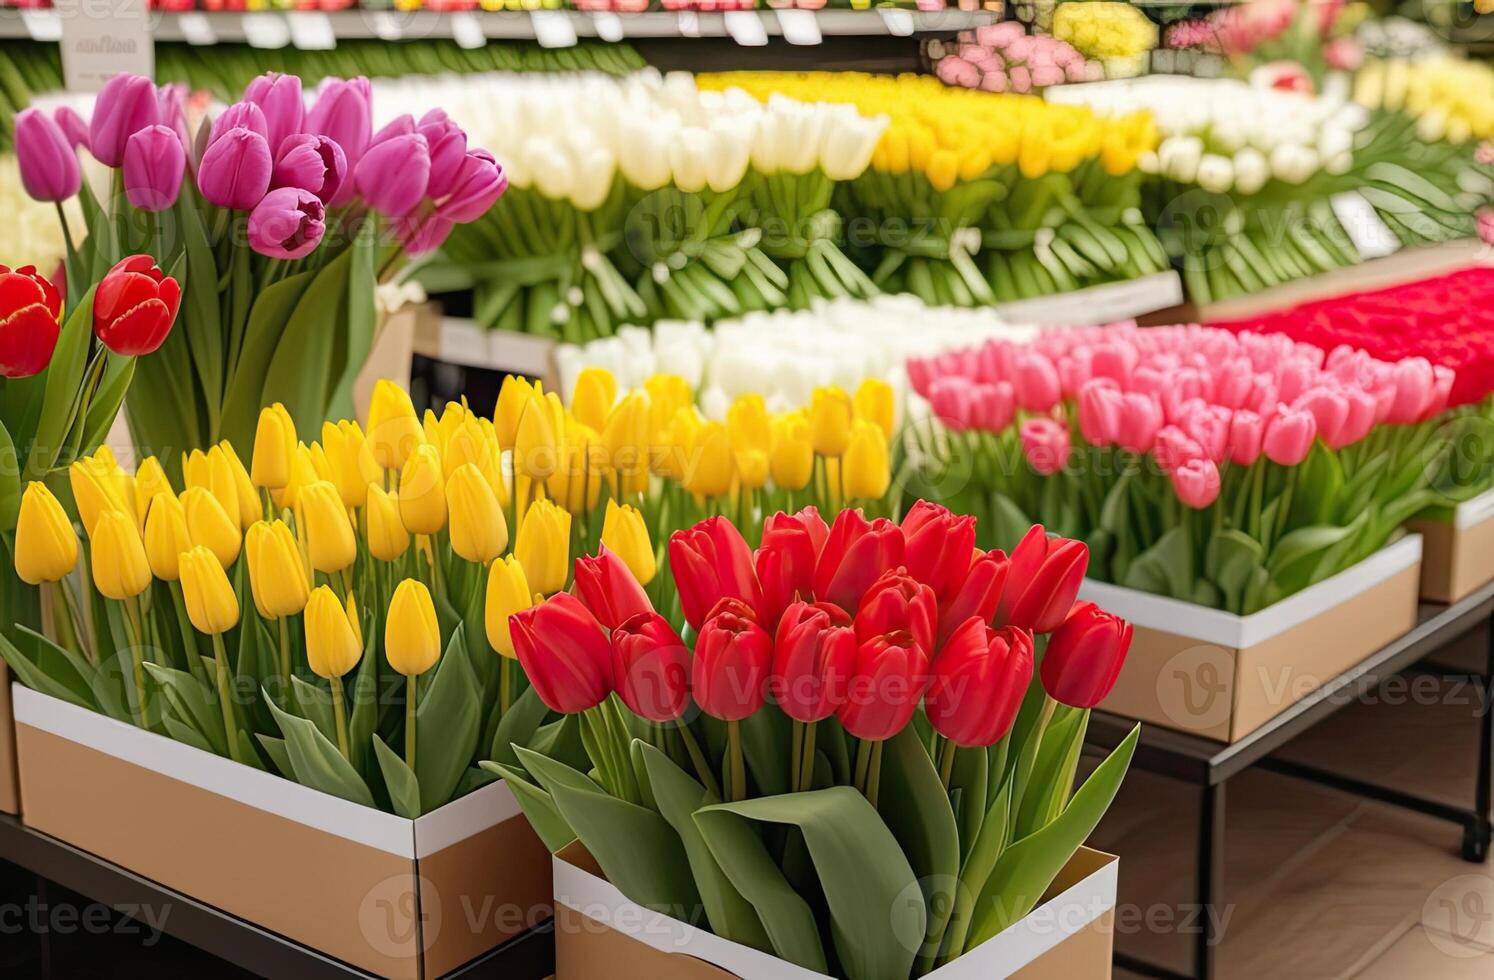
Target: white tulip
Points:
x,y
595,168
1252,170
1216,174
849,144
550,167
643,152
1179,157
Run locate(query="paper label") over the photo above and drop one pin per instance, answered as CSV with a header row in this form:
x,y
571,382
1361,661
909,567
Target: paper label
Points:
x,y
42,25
689,23
553,28
311,30
899,23
96,46
609,26
1105,303
385,25
196,28
746,28
265,30
799,26
1372,238
466,31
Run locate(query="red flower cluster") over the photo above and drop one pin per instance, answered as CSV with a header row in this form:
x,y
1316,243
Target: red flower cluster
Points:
x,y
863,620
1449,320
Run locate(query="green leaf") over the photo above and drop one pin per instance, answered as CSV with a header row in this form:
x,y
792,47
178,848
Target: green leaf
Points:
x,y
877,910
767,737
244,394
186,734
316,761
971,777
1230,561
399,779
1320,481
38,679
10,482
315,705
119,371
518,726
1052,776
995,833
447,724
352,347
1166,568
363,694
63,378
918,814
194,704
298,373
201,326
539,808
1295,556
278,753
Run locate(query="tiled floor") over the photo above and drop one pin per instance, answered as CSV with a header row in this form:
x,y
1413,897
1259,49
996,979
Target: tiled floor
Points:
x,y
1320,885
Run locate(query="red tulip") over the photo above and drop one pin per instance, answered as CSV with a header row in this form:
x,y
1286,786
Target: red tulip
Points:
x,y
733,657
855,555
134,306
651,667
896,602
609,589
564,652
890,675
1085,655
29,311
786,558
813,655
711,562
938,546
1042,581
979,680
978,594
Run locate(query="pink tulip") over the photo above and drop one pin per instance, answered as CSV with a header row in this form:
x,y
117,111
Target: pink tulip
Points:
x,y
241,115
72,126
154,163
49,166
1246,431
312,163
1415,389
1173,448
479,182
1196,483
1289,436
1208,425
1045,443
448,149
288,223
279,99
1141,417
125,105
992,406
342,113
1036,382
1101,406
235,170
1330,409
393,175
951,400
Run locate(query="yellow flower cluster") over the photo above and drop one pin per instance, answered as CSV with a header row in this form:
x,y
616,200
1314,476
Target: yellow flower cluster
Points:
x,y
1452,98
1105,30
955,134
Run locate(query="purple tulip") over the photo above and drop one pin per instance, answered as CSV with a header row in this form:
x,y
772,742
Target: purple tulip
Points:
x,y
126,105
235,170
49,167
312,163
479,182
73,126
154,162
241,115
342,114
280,98
287,224
448,143
402,125
392,176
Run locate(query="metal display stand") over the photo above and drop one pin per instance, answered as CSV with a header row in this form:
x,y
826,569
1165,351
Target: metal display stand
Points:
x,y
1209,765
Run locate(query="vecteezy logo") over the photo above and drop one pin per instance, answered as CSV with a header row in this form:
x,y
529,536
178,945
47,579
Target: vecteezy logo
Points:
x,y
1459,916
1193,688
399,914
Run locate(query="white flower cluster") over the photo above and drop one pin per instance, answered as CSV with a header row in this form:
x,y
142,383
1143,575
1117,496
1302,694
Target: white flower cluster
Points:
x,y
1228,136
33,235
1398,37
785,355
567,135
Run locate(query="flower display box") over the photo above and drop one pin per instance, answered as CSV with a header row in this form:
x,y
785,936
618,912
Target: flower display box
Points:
x,y
10,787
599,933
400,898
1108,302
1222,676
456,340
1458,555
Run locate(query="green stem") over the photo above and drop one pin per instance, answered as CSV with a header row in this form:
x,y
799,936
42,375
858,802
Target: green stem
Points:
x,y
189,637
736,773
874,775
505,684
340,715
698,760
410,703
806,768
63,623
1029,753
796,756
225,698
285,659
137,660
946,762
863,761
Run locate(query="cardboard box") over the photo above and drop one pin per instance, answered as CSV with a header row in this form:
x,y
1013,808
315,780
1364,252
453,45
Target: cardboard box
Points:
x,y
391,352
406,899
1458,555
1222,676
599,933
457,340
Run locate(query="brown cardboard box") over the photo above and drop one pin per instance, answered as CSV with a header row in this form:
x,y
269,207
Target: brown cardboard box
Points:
x,y
456,340
1222,676
599,933
10,787
392,350
1458,555
400,898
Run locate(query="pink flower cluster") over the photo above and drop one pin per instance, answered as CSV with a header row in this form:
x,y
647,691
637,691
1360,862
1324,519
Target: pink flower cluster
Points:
x,y
1191,398
1241,29
1004,58
1486,225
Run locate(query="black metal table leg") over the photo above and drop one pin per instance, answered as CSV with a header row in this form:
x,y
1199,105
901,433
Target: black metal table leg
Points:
x,y
1476,837
1210,872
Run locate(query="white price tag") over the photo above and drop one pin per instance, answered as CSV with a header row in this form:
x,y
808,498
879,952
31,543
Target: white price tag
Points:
x,y
386,26
609,26
466,30
689,23
263,30
196,28
1372,238
746,28
553,28
799,26
95,49
42,25
899,23
311,30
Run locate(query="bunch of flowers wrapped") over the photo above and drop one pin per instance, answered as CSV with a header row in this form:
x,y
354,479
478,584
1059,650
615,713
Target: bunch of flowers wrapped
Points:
x,y
280,221
974,198
1005,58
658,200
1118,35
1313,37
857,728
1450,98
1228,470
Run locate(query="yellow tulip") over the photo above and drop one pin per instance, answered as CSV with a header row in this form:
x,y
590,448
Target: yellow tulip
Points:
x,y
513,398
94,492
752,469
422,492
277,573
439,429
866,473
625,534
412,636
209,525
748,425
508,593
382,527
330,542
166,536
303,471
393,430
874,401
46,544
212,605
667,394
120,569
350,461
332,644
274,447
535,445
577,482
213,472
475,442
543,546
670,454
593,396
625,435
249,506
830,421
478,530
710,466
791,461
150,479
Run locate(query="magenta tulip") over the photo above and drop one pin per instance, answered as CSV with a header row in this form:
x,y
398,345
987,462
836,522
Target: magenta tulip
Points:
x,y
279,97
312,163
478,183
342,113
241,115
73,126
448,146
49,167
287,223
392,176
1100,409
401,125
126,105
422,235
235,170
154,162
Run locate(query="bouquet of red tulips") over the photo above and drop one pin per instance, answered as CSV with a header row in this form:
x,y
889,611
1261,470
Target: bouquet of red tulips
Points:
x,y
837,727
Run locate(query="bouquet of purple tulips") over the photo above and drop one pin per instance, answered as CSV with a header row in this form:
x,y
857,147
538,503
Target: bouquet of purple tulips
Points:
x,y
279,217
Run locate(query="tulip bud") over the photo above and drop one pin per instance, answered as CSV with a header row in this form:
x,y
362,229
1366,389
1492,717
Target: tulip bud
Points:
x,y
277,572
314,164
609,589
1085,656
287,223
508,593
1289,436
134,306
422,492
274,447
939,546
393,175
479,532
711,562
46,545
235,170
166,535
855,555
625,436
791,459
565,653
393,429
382,528
208,524
813,657
536,452
329,534
249,506
543,547
154,163
212,604
977,595
213,472
30,307
711,466
125,105
333,641
830,421
874,403
95,491
626,535
48,164
412,636
1042,581
897,603
513,398
867,471
979,680
785,560
279,99
886,685
651,668
593,396
120,569
1196,483
478,183
733,658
